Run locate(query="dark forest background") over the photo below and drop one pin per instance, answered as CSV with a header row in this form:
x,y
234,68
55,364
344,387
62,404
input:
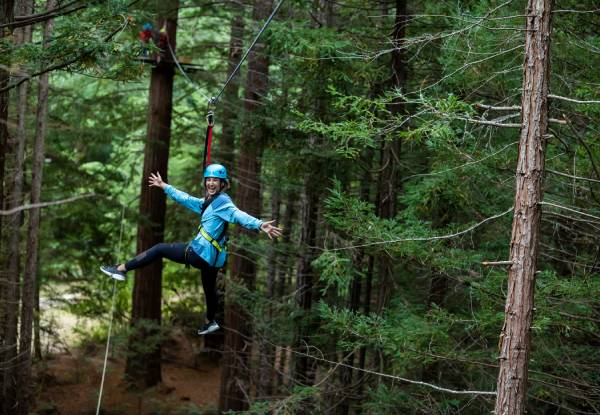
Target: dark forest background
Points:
x,y
383,135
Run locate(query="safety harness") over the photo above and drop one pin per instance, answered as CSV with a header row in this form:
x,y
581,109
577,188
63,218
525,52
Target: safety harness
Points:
x,y
216,203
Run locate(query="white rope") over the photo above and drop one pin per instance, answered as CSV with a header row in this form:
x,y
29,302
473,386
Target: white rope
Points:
x,y
112,308
112,312
198,87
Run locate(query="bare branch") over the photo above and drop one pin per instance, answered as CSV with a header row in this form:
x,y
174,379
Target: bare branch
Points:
x,y
493,108
573,177
494,263
576,101
44,204
570,210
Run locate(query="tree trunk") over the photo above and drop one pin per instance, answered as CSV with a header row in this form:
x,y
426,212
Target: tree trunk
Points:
x,y
6,16
37,340
353,304
16,150
287,268
284,274
304,367
230,95
143,366
31,266
267,350
516,333
234,371
390,152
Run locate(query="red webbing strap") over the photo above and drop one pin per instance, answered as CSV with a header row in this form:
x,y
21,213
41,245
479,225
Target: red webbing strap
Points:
x,y
208,140
209,143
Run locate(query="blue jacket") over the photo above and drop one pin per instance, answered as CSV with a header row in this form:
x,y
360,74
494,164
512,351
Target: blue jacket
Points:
x,y
213,220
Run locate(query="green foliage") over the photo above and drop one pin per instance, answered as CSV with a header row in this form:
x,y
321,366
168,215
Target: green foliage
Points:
x,y
331,107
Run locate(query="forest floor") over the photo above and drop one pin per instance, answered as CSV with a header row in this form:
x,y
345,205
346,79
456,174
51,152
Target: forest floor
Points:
x,y
68,383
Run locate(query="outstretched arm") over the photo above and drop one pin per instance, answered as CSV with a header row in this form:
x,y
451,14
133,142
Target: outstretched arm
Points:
x,y
190,202
231,213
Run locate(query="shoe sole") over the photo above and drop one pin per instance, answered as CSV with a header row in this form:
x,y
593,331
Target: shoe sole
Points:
x,y
117,277
209,330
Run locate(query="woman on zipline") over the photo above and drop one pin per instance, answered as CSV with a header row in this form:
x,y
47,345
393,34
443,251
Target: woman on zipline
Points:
x,y
206,251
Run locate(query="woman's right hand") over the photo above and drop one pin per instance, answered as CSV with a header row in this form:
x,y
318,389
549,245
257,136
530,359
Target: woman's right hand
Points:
x,y
156,180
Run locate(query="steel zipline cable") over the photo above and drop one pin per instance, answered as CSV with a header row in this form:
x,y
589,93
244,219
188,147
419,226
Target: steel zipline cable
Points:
x,y
212,102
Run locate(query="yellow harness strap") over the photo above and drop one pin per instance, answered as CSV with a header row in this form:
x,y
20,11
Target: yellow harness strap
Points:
x,y
210,239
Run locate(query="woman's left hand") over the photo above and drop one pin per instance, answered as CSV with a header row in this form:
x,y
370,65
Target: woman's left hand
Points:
x,y
270,229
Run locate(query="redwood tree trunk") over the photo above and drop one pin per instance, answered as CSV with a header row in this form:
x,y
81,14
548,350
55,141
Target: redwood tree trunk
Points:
x,y
31,266
14,199
234,370
143,363
516,334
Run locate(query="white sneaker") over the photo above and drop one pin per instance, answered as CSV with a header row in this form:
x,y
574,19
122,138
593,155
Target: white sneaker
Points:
x,y
208,328
113,272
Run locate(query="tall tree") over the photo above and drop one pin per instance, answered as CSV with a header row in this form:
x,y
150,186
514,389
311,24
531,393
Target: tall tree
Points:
x,y
304,370
267,356
16,151
234,371
33,230
516,333
390,151
143,363
6,16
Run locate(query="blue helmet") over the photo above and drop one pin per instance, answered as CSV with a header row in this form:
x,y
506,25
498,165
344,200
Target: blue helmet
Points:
x,y
216,170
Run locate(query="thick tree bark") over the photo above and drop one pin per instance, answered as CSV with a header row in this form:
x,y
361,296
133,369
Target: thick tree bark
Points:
x,y
230,95
143,366
14,198
234,371
31,266
515,337
6,16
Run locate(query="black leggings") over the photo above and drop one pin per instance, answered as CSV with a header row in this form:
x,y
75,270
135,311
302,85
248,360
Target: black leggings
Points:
x,y
182,254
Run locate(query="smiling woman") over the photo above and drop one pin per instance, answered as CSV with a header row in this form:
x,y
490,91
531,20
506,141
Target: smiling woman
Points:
x,y
206,251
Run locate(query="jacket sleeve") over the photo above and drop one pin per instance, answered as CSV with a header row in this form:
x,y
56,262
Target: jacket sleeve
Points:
x,y
229,212
190,202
